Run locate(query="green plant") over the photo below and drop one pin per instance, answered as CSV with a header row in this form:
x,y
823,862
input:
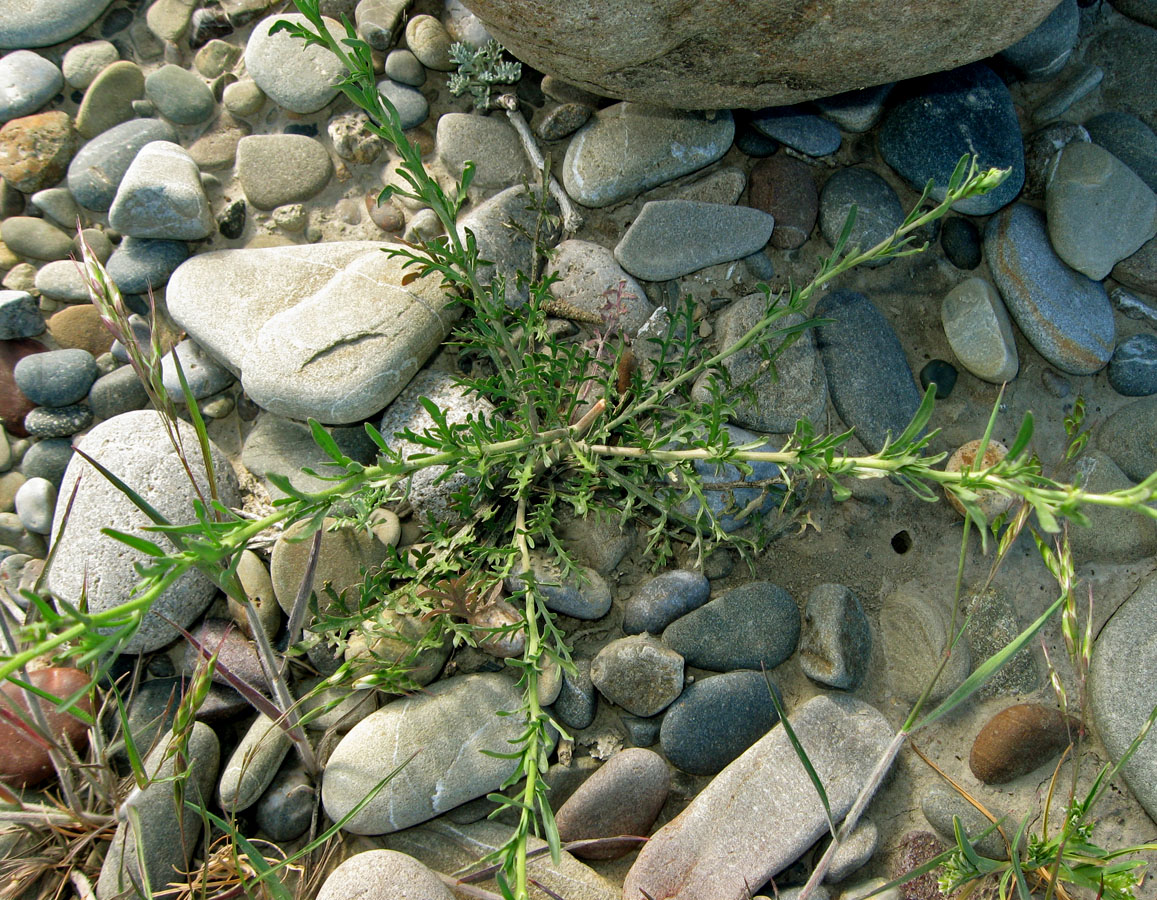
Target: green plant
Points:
x,y
575,425
479,70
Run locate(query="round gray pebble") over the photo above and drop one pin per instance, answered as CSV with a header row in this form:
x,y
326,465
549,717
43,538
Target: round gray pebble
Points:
x,y
56,378
35,504
411,105
47,459
19,316
117,392
59,422
179,95
1133,366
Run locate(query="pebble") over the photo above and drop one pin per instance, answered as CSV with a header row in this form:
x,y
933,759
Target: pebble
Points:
x,y
754,625
627,148
119,391
235,652
1113,535
855,852
580,594
276,169
58,205
1133,366
914,631
411,105
136,446
301,79
161,196
243,98
624,796
1041,150
80,327
960,241
800,130
941,804
1082,83
1066,316
878,210
454,721
216,58
383,873
716,719
1120,701
83,62
27,82
577,701
430,43
96,171
35,26
761,813
1018,740
47,459
60,421
856,111
871,385
25,761
340,368
734,507
664,599
1043,52
992,625
179,95
1129,57
940,375
253,765
345,554
836,639
403,67
167,840
750,141
935,120
62,280
1098,210
1141,10
19,316
1129,139
139,265
279,445
56,378
351,141
203,374
231,220
671,238
979,331
1129,437
590,279
35,151
35,238
108,102
553,123
639,674
488,141
784,187
378,21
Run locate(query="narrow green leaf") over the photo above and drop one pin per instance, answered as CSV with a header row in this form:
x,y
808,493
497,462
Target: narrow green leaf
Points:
x,y
140,776
1014,858
845,233
265,872
1023,436
135,541
137,500
325,440
282,483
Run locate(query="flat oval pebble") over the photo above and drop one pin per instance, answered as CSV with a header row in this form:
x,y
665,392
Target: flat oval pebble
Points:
x,y
35,238
1129,139
577,701
1043,52
58,421
96,171
1018,740
48,459
588,278
56,378
757,624
299,78
624,796
664,599
276,169
140,264
937,119
836,639
27,82
670,238
119,391
1065,315
62,280
411,105
1133,366
785,188
856,111
25,761
28,25
979,331
1129,436
430,43
403,67
628,147
179,95
83,62
871,385
383,873
798,129
285,810
715,719
639,674
253,765
108,102
878,210
941,804
557,122
489,142
35,151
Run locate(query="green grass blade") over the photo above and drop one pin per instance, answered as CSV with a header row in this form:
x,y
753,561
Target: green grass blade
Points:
x,y
1014,858
137,500
265,872
140,776
199,427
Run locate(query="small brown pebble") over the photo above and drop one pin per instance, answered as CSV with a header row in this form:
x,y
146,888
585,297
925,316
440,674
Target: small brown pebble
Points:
x,y
386,215
1019,739
25,761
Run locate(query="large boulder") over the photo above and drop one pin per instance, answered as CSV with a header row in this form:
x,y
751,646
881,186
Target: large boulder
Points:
x,y
726,54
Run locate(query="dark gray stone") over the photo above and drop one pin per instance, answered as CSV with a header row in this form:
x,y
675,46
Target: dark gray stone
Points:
x,y
869,380
47,459
755,625
960,241
577,701
117,392
1129,437
639,674
139,264
1043,52
96,171
285,809
19,316
581,594
1133,366
735,507
60,421
798,129
878,210
1129,139
179,95
856,111
57,377
664,599
836,643
940,804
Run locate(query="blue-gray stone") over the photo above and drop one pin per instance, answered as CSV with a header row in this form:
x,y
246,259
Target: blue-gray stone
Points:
x,y
285,809
581,594
203,374
301,79
856,111
869,380
47,459
798,129
19,316
412,107
1133,366
1043,52
664,599
1066,316
56,378
836,643
61,421
117,392
960,241
577,701
139,264
878,210
642,732
403,67
62,280
736,507
1129,139
670,238
757,624
751,141
1075,88
939,118
180,95
162,196
45,24
1129,437
27,82
715,720
96,171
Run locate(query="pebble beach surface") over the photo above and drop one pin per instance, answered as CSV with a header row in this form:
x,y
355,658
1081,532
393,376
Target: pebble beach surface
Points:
x,y
217,167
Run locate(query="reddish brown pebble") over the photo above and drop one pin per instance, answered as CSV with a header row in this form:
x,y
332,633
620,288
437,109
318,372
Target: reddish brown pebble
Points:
x,y
915,849
80,327
385,215
784,187
35,150
622,798
24,761
1017,740
14,406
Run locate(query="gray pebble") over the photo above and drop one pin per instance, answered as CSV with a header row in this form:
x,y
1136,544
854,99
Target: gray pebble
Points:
x,y
27,82
836,643
62,421
19,316
577,700
83,62
204,375
96,171
117,392
62,280
798,129
664,599
243,98
408,101
403,67
878,209
639,674
56,378
180,95
35,504
139,264
47,459
286,808
57,205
